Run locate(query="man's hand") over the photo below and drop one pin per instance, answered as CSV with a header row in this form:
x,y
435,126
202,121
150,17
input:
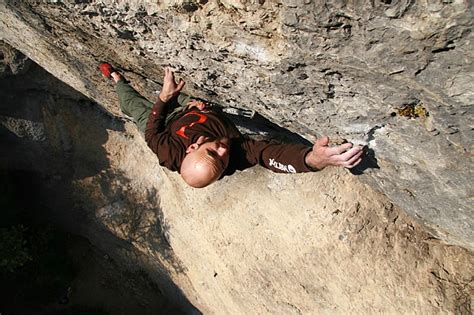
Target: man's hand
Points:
x,y
342,155
170,87
197,104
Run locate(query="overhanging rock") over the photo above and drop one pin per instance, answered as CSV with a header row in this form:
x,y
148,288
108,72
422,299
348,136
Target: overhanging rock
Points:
x,y
398,81
395,76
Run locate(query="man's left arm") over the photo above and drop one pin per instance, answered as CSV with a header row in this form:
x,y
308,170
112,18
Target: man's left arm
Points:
x,y
322,155
299,158
278,157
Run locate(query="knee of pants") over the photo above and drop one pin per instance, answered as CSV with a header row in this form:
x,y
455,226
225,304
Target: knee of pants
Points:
x,y
136,106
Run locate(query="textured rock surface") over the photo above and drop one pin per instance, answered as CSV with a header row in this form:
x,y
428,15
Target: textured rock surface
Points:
x,y
316,67
313,243
61,140
395,74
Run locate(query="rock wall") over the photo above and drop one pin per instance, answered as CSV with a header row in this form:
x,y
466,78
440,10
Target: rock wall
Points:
x,y
62,142
393,75
255,243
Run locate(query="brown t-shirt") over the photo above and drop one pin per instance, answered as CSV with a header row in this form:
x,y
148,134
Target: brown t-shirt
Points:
x,y
170,142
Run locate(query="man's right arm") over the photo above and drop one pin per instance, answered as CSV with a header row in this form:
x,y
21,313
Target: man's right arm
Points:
x,y
156,121
157,118
156,136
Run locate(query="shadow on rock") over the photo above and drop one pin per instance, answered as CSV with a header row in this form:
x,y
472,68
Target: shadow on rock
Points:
x,y
259,125
58,130
368,161
57,137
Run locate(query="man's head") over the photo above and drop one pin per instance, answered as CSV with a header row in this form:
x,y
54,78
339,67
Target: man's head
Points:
x,y
205,161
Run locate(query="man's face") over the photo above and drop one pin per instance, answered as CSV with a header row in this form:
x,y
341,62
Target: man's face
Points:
x,y
206,161
216,152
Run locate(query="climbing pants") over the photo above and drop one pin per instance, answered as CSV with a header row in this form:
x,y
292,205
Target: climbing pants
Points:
x,y
139,108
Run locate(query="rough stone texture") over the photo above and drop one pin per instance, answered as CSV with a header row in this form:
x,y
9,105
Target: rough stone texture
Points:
x,y
338,68
310,243
12,61
61,139
394,74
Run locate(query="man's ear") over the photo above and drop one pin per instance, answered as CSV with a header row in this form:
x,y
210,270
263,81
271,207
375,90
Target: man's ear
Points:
x,y
192,147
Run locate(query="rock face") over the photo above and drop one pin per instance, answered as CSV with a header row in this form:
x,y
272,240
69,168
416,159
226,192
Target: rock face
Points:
x,y
395,75
59,139
255,243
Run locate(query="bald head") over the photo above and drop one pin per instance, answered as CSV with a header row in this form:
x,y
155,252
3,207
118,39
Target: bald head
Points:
x,y
198,170
205,162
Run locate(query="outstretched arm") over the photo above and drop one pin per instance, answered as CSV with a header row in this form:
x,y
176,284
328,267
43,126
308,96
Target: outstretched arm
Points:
x,y
298,158
322,155
157,117
155,135
170,87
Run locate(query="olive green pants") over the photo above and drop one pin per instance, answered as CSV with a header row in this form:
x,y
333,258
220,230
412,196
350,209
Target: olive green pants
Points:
x,y
139,108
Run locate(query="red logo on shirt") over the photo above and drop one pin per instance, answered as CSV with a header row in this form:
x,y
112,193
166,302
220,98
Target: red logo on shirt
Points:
x,y
182,131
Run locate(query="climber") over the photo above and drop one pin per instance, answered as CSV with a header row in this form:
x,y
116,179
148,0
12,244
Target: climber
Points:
x,y
203,145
